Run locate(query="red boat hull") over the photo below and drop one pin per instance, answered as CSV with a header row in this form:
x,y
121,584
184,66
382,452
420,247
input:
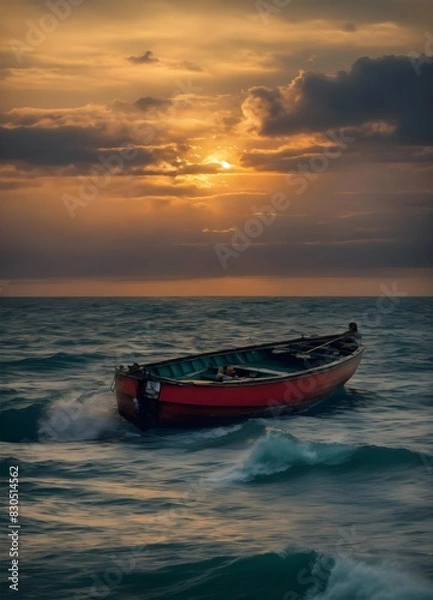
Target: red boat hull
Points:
x,y
194,403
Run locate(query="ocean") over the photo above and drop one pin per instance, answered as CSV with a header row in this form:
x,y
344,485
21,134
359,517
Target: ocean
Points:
x,y
334,503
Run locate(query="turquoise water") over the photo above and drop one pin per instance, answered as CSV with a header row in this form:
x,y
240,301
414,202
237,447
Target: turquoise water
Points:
x,y
331,504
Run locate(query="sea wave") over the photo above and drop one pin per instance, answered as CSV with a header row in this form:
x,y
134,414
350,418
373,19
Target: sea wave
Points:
x,y
194,439
279,452
19,420
72,417
76,418
53,362
350,579
289,575
201,436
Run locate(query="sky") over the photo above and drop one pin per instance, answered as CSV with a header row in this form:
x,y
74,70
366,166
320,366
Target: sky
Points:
x,y
260,147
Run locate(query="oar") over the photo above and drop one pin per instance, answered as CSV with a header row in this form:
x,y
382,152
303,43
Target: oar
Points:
x,y
300,355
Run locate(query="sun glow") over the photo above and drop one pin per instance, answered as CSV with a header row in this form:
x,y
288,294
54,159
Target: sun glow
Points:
x,y
217,160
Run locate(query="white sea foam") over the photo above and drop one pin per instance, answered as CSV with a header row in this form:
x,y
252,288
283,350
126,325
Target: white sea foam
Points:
x,y
354,580
74,417
278,452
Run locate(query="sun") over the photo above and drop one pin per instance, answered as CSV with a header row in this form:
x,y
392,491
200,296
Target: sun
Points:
x,y
216,160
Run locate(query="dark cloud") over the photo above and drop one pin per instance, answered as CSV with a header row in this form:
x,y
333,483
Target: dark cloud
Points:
x,y
198,259
148,103
57,146
387,89
83,148
138,244
280,160
367,147
147,57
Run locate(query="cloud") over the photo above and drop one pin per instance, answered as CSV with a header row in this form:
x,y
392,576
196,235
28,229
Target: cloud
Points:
x,y
189,66
282,159
117,147
56,146
374,231
405,11
148,103
369,147
147,57
384,89
228,230
85,147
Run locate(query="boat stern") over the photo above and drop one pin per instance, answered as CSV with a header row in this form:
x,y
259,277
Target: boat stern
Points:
x,y
137,397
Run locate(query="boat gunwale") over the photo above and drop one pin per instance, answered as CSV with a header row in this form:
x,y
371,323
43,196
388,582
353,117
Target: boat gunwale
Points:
x,y
243,383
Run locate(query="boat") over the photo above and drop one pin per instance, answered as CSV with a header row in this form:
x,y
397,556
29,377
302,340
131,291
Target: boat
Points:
x,y
268,379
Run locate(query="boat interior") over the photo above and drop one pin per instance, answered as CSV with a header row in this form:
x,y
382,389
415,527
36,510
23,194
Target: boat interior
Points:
x,y
264,362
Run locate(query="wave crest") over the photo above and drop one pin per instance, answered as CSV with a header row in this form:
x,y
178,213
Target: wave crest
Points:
x,y
280,453
293,574
350,579
74,419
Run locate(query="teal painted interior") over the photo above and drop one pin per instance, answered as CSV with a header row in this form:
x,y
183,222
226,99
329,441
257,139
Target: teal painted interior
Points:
x,y
253,363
